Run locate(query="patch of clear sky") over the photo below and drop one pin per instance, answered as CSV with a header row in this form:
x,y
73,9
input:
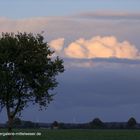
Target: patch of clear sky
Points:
x,y
37,8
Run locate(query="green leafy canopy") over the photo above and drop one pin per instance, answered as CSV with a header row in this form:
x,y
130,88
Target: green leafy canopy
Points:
x,y
27,71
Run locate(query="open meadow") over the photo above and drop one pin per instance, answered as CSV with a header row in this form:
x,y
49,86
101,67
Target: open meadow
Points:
x,y
77,135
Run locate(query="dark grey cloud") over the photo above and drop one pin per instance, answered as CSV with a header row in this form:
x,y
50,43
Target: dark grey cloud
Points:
x,y
100,63
110,93
88,93
116,60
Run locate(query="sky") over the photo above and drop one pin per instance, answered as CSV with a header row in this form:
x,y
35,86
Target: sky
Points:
x,y
34,8
99,43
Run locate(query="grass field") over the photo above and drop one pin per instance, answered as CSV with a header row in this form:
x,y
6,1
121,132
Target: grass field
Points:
x,y
78,135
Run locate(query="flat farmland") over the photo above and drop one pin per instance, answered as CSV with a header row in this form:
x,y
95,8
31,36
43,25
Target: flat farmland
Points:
x,y
74,134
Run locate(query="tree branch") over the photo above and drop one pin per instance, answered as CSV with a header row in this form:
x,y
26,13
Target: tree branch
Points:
x,y
17,107
19,100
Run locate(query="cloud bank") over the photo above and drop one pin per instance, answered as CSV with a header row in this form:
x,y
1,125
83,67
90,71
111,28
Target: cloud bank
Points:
x,y
101,47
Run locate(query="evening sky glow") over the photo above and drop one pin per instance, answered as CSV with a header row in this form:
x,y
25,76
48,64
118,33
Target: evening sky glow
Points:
x,y
99,42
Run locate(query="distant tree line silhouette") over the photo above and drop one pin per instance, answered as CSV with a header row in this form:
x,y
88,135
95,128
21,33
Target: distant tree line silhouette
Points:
x,y
94,124
98,124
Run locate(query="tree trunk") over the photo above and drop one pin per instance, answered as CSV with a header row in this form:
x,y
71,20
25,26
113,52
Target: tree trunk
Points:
x,y
10,125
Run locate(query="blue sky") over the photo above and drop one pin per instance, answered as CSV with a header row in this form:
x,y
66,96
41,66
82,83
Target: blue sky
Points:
x,y
34,8
99,42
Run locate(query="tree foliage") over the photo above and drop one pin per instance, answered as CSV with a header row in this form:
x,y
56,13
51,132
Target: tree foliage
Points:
x,y
55,124
27,71
96,123
132,122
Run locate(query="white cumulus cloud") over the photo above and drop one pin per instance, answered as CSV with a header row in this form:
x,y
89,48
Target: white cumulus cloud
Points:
x,y
101,47
57,44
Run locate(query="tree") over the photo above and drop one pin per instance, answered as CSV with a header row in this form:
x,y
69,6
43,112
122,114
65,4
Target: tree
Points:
x,y
96,123
131,122
27,72
55,124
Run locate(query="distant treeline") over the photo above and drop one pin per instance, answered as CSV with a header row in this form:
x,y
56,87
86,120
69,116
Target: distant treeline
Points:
x,y
98,124
94,124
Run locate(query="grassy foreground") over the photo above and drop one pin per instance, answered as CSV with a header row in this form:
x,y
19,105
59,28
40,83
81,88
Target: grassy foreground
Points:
x,y
77,135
